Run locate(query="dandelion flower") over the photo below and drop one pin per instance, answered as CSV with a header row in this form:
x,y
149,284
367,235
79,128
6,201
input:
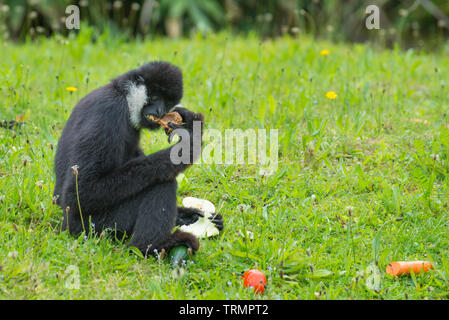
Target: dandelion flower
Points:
x,y
331,95
71,89
324,52
75,169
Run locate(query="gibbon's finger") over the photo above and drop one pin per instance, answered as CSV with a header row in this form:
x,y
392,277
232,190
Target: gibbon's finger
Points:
x,y
218,221
171,133
188,216
198,117
187,116
174,126
192,212
219,226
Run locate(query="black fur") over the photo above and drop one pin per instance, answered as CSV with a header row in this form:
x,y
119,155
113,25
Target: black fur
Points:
x,y
119,186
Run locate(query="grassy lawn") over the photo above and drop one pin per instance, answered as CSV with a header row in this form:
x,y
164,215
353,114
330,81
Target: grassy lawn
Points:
x,y
361,179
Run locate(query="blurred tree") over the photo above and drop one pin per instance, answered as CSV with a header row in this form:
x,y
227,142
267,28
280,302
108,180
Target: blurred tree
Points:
x,y
402,21
202,15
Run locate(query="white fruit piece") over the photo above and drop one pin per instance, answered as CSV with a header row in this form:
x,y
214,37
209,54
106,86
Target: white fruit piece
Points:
x,y
201,204
203,227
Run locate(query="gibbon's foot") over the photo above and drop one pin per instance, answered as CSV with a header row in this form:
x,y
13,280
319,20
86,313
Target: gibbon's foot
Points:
x,y
188,216
217,219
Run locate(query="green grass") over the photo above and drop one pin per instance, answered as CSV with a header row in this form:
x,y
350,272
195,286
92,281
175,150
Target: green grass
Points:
x,y
357,182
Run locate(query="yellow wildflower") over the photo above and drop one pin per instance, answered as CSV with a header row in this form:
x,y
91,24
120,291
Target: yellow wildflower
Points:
x,y
71,89
331,95
324,52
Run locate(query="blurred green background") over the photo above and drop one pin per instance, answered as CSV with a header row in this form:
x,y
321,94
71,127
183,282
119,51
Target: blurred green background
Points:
x,y
404,22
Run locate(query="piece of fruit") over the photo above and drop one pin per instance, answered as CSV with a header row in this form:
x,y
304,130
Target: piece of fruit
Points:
x,y
398,268
254,279
172,117
201,204
178,254
203,227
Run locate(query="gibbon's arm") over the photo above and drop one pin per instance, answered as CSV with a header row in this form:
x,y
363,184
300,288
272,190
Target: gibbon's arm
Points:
x,y
128,180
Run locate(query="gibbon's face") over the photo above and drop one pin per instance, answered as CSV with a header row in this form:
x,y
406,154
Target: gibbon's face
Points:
x,y
141,105
156,106
155,89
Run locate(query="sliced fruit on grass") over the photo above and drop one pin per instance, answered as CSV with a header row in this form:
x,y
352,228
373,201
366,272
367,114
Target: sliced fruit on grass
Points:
x,y
203,227
179,254
201,204
254,279
398,268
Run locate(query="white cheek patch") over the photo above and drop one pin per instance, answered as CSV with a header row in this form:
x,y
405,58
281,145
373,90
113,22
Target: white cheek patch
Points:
x,y
137,98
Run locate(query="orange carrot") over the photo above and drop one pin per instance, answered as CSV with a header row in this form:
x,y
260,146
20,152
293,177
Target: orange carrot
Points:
x,y
398,268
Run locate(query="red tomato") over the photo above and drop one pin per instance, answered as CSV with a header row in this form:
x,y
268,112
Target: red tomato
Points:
x,y
255,279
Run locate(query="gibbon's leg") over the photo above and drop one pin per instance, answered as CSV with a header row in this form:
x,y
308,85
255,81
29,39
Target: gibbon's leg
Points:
x,y
155,219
